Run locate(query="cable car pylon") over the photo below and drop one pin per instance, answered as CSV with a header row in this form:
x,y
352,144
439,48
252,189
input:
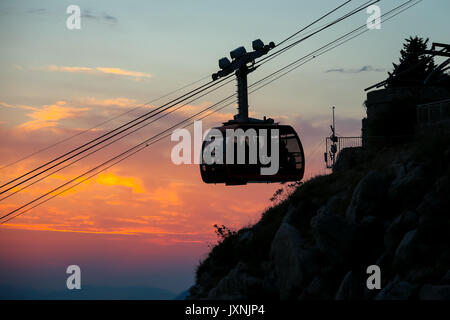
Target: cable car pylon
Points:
x,y
240,65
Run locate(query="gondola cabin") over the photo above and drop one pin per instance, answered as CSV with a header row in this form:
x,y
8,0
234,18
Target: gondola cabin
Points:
x,y
290,162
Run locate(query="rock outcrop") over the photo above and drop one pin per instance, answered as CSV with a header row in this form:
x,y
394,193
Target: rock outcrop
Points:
x,y
392,211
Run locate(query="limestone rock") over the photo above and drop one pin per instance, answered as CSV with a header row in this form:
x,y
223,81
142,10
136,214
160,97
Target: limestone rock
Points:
x,y
238,284
316,290
368,197
429,292
294,265
397,290
406,250
397,229
409,185
333,235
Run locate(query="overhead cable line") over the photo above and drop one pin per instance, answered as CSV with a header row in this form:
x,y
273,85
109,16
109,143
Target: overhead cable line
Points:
x,y
110,143
139,147
147,142
324,49
84,145
348,15
122,128
312,23
100,124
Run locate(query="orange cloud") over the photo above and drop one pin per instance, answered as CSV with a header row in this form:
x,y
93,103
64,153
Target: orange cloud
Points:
x,y
124,72
49,227
120,102
172,205
134,221
49,115
99,70
68,69
110,179
167,196
84,220
118,231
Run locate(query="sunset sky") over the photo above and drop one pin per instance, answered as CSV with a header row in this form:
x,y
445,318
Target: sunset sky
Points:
x,y
147,221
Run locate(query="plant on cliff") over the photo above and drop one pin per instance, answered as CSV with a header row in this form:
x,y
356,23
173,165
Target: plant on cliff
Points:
x,y
284,192
223,232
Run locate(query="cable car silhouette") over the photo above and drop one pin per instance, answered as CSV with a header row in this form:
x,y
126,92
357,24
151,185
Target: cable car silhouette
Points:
x,y
291,159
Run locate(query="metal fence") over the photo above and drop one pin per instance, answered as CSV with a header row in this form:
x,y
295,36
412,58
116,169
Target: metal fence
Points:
x,y
341,143
433,112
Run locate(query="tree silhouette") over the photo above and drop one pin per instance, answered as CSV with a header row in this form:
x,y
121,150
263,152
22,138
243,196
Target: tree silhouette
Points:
x,y
414,65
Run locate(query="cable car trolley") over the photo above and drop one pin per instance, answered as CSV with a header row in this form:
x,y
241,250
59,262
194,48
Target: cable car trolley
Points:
x,y
247,150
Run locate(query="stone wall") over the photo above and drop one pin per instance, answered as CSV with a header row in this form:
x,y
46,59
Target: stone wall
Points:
x,y
391,113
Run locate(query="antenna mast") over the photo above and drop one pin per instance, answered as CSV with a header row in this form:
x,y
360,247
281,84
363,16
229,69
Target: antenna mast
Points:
x,y
333,147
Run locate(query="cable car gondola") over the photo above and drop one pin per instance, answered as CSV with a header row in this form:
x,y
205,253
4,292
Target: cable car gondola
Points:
x,y
250,168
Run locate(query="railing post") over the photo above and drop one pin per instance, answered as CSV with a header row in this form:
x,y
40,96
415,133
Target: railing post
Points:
x,y
429,114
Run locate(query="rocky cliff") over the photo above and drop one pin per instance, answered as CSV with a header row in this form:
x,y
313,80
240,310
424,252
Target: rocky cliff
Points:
x,y
390,208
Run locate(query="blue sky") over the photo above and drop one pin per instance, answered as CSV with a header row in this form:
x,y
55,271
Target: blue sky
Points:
x,y
179,41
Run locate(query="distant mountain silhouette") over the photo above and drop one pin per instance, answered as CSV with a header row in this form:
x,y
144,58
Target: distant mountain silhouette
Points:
x,y
182,295
8,292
